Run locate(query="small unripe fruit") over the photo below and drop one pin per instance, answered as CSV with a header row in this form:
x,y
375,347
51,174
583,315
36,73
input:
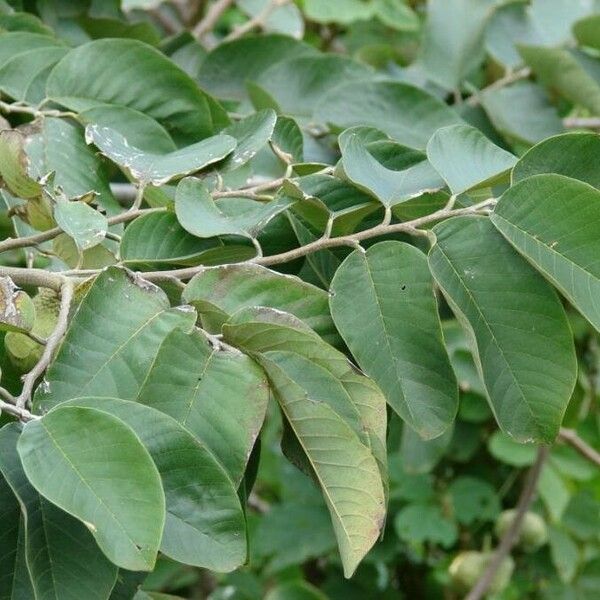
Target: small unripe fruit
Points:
x,y
533,535
466,569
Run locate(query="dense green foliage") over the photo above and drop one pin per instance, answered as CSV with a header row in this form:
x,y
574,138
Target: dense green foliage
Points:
x,y
299,300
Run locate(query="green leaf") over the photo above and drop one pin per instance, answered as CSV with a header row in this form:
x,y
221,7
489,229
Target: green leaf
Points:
x,y
336,415
81,222
466,159
131,73
198,213
520,335
550,220
230,65
389,186
158,239
587,31
285,18
292,533
295,590
564,553
406,113
25,59
574,154
298,84
158,169
422,456
204,523
219,292
252,134
507,451
343,12
15,582
383,304
418,523
571,73
60,148
112,340
14,165
522,112
219,396
473,500
122,504
63,560
136,127
452,45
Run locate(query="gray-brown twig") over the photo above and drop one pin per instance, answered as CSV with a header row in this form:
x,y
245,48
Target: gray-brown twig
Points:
x,y
512,533
570,437
66,296
213,14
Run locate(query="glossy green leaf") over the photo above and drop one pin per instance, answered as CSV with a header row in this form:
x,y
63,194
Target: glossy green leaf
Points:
x,y
519,332
571,73
407,114
329,408
383,304
466,159
389,186
81,222
112,340
229,66
422,456
453,39
122,503
521,112
25,60
297,84
131,73
201,216
158,169
217,293
62,558
574,154
551,221
204,523
60,148
252,134
157,238
136,127
219,396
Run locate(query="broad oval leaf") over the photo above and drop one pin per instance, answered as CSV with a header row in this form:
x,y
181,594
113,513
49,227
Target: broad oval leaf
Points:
x,y
57,557
383,304
391,187
521,338
217,293
303,373
466,159
219,396
112,340
552,221
86,226
198,213
204,524
131,73
574,154
158,169
94,467
230,65
406,113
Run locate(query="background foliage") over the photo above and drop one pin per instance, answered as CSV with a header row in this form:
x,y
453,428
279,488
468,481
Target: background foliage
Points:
x,y
209,208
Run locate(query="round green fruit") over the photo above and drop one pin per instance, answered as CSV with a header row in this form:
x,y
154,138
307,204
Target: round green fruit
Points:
x,y
534,533
466,569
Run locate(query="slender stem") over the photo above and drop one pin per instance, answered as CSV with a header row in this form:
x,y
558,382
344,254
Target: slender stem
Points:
x,y
35,277
213,14
21,413
570,437
258,20
45,236
250,191
509,78
139,198
66,296
582,122
512,533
